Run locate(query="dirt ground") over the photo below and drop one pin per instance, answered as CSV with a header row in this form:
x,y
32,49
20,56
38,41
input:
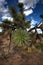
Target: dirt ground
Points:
x,y
23,58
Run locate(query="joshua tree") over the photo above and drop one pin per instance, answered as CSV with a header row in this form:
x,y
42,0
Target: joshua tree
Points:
x,y
19,23
19,18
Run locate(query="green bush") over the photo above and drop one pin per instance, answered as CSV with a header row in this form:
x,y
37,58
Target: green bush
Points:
x,y
21,37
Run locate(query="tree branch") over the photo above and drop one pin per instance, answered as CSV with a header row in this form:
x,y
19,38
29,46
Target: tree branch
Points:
x,y
35,28
4,25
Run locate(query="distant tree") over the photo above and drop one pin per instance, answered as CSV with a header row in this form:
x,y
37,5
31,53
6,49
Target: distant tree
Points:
x,y
18,17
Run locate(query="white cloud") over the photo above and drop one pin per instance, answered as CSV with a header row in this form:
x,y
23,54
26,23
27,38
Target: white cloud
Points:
x,y
28,12
33,22
29,3
2,3
0,22
9,18
39,31
4,11
31,26
21,1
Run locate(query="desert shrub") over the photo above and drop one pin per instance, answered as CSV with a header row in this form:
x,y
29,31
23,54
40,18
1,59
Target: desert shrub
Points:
x,y
21,37
39,46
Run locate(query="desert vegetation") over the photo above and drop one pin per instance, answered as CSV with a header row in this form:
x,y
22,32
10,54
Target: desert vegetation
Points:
x,y
17,45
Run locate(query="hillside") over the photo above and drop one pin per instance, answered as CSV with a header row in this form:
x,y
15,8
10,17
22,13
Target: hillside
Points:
x,y
18,56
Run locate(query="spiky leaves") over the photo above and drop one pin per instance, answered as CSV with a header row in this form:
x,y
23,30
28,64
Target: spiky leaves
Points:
x,y
21,37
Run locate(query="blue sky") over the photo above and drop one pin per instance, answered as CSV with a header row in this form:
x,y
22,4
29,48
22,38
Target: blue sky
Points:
x,y
32,9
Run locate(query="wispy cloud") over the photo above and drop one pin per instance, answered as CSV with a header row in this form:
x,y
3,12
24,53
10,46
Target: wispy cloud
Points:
x,y
39,31
28,12
7,17
4,10
33,22
28,4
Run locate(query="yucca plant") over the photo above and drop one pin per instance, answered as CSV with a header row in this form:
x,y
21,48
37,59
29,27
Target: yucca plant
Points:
x,y
21,37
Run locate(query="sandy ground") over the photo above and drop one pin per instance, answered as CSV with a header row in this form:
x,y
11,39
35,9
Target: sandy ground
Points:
x,y
23,58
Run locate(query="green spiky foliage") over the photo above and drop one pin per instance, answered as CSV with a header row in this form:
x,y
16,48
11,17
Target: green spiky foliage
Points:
x,y
21,7
21,37
13,12
18,17
27,24
8,22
